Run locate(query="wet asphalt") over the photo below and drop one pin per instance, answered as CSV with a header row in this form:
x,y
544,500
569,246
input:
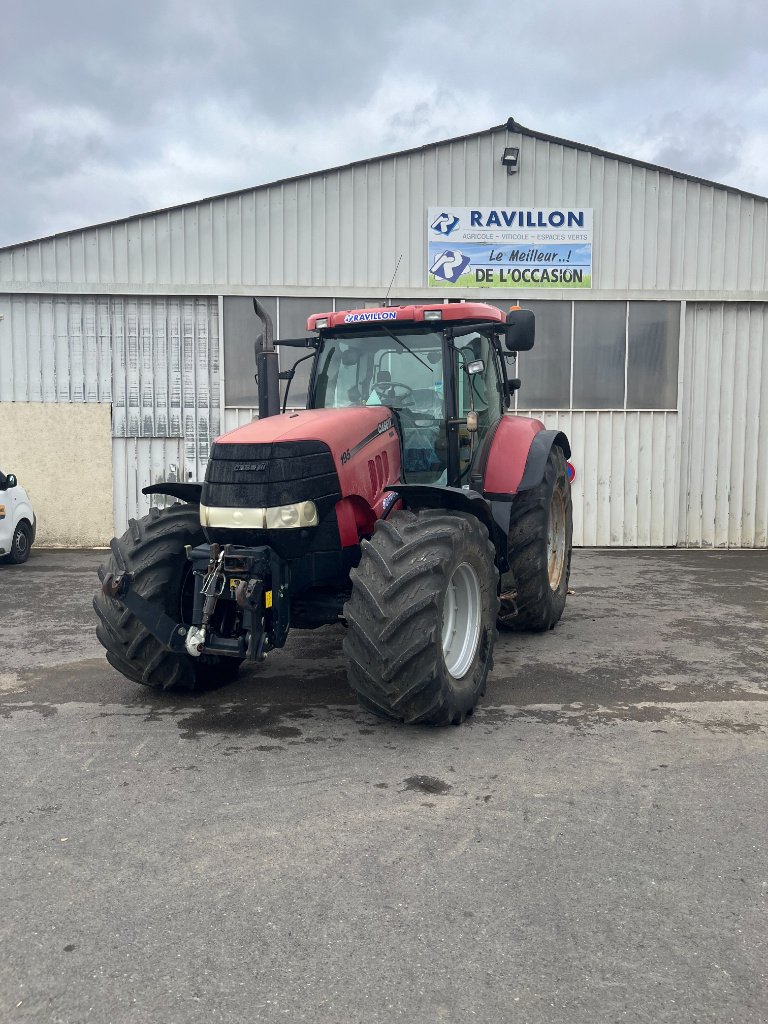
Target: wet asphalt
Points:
x,y
591,847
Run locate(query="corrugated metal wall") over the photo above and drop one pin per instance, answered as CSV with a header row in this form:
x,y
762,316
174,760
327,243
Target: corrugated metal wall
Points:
x,y
348,227
625,490
155,360
724,436
139,461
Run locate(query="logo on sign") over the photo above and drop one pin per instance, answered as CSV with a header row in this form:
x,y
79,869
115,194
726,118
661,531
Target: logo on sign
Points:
x,y
449,265
445,223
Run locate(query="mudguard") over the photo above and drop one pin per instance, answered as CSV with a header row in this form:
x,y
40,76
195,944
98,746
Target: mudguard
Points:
x,y
536,463
516,456
492,514
176,489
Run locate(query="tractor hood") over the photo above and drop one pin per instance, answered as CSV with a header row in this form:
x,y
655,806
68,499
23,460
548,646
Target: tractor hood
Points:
x,y
340,429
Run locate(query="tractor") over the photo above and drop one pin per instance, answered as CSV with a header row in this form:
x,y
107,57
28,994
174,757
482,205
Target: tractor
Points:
x,y
406,502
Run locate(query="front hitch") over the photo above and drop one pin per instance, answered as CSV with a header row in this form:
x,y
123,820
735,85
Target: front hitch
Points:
x,y
171,634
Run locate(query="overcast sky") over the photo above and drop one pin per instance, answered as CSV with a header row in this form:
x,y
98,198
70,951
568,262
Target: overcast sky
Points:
x,y
109,109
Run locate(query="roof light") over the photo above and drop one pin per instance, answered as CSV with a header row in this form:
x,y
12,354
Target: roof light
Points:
x,y
433,314
321,323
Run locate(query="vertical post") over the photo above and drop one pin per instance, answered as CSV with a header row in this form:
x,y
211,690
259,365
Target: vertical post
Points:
x,y
266,365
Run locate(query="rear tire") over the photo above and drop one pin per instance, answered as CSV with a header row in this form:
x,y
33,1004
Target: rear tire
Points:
x,y
152,550
421,617
21,544
540,539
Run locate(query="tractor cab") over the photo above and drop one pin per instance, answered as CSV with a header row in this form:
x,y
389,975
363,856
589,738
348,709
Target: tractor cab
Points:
x,y
440,369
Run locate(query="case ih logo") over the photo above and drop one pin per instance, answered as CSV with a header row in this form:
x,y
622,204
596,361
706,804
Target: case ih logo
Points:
x,y
251,467
361,318
445,223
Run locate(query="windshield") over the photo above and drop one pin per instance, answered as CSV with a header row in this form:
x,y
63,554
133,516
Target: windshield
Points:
x,y
400,370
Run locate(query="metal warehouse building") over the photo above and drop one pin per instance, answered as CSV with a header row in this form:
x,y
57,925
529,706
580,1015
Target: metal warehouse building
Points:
x,y
125,348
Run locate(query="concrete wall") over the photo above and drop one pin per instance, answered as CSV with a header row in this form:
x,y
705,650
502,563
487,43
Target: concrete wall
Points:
x,y
62,455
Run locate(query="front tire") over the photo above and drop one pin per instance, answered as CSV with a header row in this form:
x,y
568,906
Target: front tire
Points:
x,y
21,544
152,550
421,617
540,544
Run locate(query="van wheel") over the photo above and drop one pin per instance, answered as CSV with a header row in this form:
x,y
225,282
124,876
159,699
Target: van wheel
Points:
x,y
21,544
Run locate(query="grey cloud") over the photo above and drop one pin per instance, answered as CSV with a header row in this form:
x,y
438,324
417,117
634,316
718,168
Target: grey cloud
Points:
x,y
107,110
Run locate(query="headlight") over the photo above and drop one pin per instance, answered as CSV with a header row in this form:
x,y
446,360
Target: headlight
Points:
x,y
292,517
321,323
281,517
433,314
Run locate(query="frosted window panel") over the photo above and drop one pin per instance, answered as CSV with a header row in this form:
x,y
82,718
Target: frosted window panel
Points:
x,y
654,337
546,370
599,349
357,304
293,324
241,327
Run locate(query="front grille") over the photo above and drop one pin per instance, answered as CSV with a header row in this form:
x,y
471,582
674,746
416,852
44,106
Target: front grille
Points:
x,y
266,475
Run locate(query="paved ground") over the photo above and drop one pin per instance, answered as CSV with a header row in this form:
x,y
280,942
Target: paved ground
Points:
x,y
592,847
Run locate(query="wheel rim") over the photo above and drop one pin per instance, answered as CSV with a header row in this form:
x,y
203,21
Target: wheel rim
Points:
x,y
21,542
556,539
461,620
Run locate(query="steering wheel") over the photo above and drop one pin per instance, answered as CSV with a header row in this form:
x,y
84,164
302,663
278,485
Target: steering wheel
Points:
x,y
386,390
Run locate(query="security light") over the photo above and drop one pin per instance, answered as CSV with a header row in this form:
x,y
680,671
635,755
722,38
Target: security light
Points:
x,y
509,158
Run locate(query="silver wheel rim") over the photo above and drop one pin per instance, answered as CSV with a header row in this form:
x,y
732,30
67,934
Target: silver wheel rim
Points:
x,y
21,542
461,620
556,539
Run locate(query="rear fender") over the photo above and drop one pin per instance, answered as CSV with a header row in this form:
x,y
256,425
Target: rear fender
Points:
x,y
494,515
518,455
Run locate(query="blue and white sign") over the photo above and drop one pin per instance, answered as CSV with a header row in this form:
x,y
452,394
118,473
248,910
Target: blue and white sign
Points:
x,y
500,247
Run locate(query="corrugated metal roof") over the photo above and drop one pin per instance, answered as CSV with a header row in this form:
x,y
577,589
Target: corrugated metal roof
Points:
x,y
510,126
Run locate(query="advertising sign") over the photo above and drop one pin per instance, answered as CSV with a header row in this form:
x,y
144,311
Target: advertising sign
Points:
x,y
497,247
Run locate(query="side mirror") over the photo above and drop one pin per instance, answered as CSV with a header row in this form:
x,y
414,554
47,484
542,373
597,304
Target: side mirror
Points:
x,y
520,330
10,480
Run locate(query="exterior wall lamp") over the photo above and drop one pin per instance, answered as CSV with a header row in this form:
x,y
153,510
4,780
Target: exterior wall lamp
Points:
x,y
509,159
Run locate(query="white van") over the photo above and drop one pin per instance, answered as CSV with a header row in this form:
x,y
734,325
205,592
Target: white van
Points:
x,y
17,521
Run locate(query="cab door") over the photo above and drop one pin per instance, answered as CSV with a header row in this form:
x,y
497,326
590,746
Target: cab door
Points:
x,y
479,387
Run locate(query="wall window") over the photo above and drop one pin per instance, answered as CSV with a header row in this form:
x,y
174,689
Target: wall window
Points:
x,y
585,351
241,327
599,352
653,341
546,370
293,324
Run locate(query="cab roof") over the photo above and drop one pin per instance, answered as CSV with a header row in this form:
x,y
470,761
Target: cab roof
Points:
x,y
452,312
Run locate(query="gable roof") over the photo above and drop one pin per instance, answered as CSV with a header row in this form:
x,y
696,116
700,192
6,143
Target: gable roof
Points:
x,y
510,126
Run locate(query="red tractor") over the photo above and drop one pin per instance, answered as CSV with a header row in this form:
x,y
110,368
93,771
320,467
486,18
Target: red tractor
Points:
x,y
405,502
